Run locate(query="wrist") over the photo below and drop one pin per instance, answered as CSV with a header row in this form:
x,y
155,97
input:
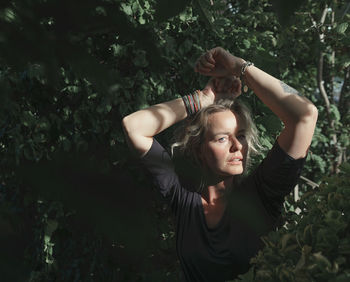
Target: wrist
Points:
x,y
236,66
192,102
242,75
206,98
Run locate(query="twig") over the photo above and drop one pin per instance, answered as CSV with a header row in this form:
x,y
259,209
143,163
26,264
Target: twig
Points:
x,y
308,181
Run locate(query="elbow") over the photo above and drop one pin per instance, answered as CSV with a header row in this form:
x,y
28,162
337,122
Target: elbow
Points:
x,y
126,125
311,114
306,115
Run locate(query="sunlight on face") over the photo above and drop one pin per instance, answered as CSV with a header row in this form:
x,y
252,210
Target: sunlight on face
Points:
x,y
225,146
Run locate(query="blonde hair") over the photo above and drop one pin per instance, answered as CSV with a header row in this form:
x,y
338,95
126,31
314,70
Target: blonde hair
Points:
x,y
190,137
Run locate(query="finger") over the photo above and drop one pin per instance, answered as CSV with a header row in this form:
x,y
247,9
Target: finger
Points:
x,y
234,83
228,84
222,85
236,79
215,83
211,82
225,84
201,68
236,91
205,62
209,57
237,86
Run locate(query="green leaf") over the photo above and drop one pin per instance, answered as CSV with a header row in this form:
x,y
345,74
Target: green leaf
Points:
x,y
142,20
246,43
186,15
320,162
341,28
274,41
126,9
204,14
346,64
118,50
335,114
8,15
271,122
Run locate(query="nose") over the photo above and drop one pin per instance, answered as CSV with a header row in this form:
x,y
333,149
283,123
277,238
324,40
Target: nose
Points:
x,y
235,145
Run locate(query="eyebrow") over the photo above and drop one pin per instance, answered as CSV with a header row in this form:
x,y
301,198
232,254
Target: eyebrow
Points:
x,y
228,133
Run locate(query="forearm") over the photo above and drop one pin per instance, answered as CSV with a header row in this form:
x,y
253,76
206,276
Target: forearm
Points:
x,y
141,126
282,99
153,120
297,113
279,97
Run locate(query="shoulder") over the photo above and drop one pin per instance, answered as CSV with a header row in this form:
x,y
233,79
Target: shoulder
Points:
x,y
277,173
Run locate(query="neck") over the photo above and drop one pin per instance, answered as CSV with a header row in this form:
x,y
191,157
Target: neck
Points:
x,y
217,188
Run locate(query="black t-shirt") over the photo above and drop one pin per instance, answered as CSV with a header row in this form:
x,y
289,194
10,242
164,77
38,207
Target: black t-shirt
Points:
x,y
254,207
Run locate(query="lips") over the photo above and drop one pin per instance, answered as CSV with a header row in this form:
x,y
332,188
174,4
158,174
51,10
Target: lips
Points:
x,y
235,159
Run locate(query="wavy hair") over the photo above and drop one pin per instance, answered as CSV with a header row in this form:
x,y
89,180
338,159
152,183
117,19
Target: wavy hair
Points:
x,y
190,136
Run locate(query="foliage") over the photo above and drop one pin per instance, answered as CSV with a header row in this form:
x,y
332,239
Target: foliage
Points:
x,y
314,245
70,70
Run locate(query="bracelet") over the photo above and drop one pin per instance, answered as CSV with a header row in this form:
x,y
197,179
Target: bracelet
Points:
x,y
243,69
198,100
192,103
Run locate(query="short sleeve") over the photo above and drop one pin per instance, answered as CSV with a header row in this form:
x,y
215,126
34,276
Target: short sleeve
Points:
x,y
159,163
275,177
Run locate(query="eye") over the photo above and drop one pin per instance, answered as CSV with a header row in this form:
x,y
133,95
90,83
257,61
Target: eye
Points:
x,y
222,139
241,137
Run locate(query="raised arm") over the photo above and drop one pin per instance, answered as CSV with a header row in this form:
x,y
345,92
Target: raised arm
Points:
x,y
297,113
141,126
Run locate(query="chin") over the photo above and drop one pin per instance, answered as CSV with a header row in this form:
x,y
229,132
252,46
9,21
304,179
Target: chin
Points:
x,y
232,172
237,171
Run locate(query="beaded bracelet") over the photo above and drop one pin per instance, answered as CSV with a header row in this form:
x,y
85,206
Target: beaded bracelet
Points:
x,y
243,69
192,103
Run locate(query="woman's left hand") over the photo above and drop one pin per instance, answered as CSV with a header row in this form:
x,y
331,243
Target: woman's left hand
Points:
x,y
220,88
227,87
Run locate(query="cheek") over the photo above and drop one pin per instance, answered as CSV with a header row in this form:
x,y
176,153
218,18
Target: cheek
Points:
x,y
213,155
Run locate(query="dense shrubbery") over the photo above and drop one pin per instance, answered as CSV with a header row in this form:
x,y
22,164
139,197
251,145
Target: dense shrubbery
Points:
x,y
70,70
313,245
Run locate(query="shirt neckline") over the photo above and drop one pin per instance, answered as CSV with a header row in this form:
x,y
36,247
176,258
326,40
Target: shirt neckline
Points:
x,y
201,211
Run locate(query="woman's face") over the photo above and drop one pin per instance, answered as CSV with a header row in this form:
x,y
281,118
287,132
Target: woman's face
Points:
x,y
225,147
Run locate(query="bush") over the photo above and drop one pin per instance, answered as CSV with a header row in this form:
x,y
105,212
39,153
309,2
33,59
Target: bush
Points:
x,y
313,245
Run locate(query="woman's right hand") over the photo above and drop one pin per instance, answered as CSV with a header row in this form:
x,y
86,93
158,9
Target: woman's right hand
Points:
x,y
218,62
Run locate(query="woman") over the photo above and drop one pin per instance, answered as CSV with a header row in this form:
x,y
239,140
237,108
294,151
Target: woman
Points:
x,y
218,229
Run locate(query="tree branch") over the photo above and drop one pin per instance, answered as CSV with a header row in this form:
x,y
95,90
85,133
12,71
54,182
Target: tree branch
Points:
x,y
320,82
